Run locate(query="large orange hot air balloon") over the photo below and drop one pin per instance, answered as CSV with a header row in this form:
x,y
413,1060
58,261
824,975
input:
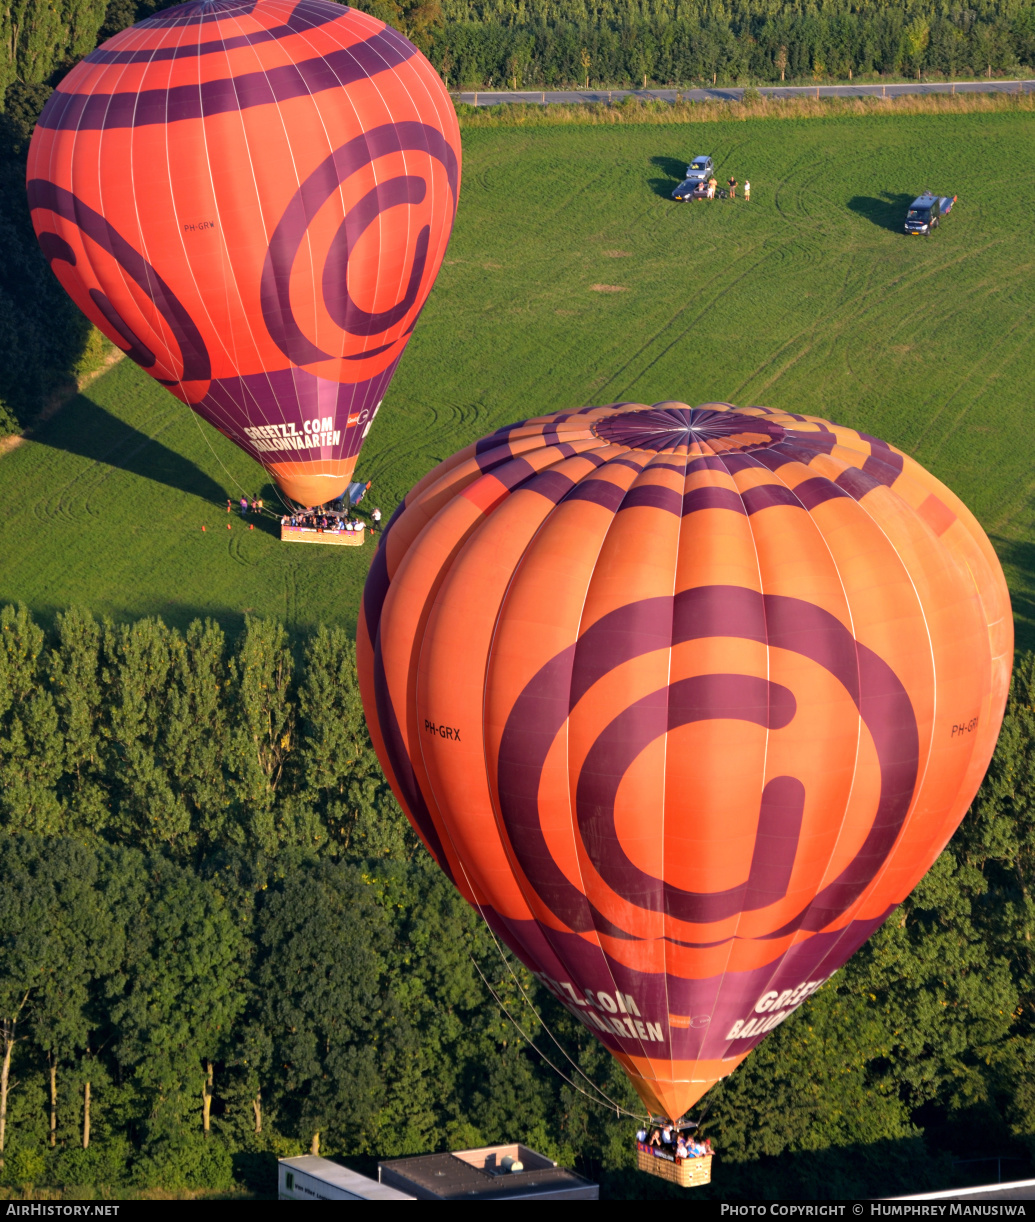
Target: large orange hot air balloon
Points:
x,y
252,198
685,701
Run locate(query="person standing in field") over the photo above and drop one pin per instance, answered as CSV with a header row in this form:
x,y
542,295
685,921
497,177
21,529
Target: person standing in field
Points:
x,y
229,503
732,184
713,182
747,190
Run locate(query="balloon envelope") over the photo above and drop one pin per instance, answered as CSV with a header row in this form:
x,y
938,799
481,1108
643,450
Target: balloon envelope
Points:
x,y
252,198
685,701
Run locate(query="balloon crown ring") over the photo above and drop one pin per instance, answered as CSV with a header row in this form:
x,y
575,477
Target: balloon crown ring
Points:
x,y
663,428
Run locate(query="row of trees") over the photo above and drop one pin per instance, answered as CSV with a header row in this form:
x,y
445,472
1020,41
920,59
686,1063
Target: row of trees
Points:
x,y
220,941
704,48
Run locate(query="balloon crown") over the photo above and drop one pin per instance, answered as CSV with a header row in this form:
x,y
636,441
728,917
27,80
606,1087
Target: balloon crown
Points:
x,y
667,427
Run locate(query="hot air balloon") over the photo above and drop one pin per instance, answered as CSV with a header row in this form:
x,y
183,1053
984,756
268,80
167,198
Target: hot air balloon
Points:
x,y
252,198
684,701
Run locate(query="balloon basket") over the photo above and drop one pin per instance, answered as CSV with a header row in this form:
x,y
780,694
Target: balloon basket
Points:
x,y
684,1172
305,534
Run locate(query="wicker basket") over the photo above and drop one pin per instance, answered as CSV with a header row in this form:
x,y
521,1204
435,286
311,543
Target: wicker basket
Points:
x,y
686,1172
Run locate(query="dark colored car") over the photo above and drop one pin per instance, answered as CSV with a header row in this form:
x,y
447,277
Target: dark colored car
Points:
x,y
691,189
925,213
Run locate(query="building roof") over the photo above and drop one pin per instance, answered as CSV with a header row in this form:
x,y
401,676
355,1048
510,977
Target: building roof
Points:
x,y
1016,1190
357,1185
482,1175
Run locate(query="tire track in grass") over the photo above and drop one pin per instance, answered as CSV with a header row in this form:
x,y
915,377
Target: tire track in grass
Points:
x,y
976,384
781,251
97,471
726,287
879,296
106,470
809,332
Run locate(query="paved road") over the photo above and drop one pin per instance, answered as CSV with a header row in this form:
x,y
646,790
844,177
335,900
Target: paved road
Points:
x,y
494,98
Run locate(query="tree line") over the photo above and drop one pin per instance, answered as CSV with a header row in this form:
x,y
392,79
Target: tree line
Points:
x,y
524,44
221,942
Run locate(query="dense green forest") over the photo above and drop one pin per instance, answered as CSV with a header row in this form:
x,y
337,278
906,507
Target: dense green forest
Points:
x,y
220,942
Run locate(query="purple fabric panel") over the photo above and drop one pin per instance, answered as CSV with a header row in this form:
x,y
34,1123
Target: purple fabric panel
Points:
x,y
525,745
138,108
713,1004
552,485
54,247
667,428
515,473
810,443
734,462
775,457
598,492
708,463
627,632
856,484
653,496
768,495
713,498
307,16
813,492
631,463
776,843
718,611
290,398
201,12
884,466
490,444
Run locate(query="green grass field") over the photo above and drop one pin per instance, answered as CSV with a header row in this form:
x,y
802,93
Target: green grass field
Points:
x,y
572,279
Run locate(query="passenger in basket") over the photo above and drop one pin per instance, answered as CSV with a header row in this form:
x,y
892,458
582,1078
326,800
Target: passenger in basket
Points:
x,y
641,1135
682,1149
655,1137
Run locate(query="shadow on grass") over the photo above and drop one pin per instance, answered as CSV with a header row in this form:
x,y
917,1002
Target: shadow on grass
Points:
x,y
173,614
1019,555
674,169
887,211
87,429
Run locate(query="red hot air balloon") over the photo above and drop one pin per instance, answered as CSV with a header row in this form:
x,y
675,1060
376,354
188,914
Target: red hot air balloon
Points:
x,y
252,198
685,701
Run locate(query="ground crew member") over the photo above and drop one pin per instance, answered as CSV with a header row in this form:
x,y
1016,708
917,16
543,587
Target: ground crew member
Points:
x,y
733,188
712,184
747,190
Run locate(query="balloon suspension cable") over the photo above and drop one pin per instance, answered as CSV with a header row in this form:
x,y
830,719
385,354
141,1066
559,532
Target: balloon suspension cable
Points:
x,y
605,1099
287,504
232,478
610,1103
